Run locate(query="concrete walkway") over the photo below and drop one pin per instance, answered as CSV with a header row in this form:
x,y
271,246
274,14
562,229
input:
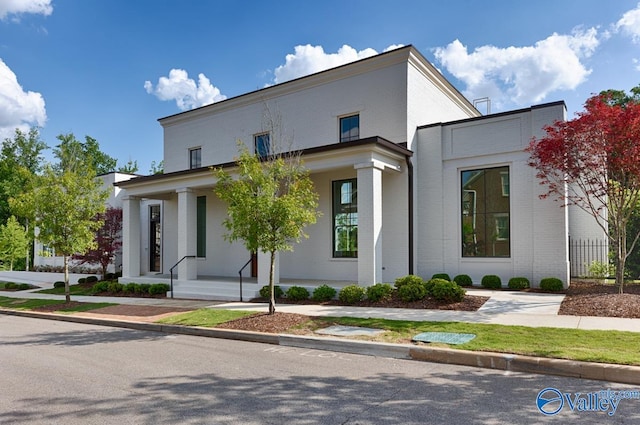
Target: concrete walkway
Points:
x,y
503,308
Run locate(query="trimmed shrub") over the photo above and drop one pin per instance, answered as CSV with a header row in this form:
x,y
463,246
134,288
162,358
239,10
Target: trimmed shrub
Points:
x,y
447,291
444,276
110,276
379,291
114,287
100,287
412,292
142,288
463,280
297,293
552,284
91,279
407,280
351,294
265,292
518,283
11,285
131,288
23,287
159,289
324,293
82,280
57,284
491,281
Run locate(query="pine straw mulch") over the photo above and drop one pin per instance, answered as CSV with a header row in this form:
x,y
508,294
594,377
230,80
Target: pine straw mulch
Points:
x,y
588,298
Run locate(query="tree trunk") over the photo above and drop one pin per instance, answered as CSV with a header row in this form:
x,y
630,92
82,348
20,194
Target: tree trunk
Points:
x,y
272,269
67,294
621,257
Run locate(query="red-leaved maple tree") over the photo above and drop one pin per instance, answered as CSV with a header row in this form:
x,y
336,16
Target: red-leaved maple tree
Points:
x,y
108,240
593,162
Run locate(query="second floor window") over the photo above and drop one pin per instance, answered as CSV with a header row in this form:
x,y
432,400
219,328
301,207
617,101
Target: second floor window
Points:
x,y
349,128
195,158
262,144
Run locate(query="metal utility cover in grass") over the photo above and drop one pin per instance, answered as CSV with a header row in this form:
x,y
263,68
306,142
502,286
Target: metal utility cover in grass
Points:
x,y
443,337
339,330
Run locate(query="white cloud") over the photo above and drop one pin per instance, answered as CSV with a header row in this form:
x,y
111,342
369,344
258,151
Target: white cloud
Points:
x,y
521,75
185,91
18,7
18,109
630,24
309,59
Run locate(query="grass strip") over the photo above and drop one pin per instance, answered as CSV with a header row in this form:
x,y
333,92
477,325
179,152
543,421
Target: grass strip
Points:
x,y
205,317
615,347
73,290
30,304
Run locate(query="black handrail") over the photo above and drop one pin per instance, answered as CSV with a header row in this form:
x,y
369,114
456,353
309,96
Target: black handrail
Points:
x,y
176,265
240,273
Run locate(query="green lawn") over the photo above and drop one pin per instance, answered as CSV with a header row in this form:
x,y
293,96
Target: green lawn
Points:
x,y
584,345
29,304
73,290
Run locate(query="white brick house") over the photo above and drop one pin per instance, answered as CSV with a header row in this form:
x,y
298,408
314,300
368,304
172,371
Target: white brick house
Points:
x,y
390,129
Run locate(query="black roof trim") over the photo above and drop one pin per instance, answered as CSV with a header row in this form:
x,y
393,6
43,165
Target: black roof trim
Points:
x,y
376,140
499,114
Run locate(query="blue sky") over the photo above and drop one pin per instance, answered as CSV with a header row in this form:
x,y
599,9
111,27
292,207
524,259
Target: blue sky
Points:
x,y
111,68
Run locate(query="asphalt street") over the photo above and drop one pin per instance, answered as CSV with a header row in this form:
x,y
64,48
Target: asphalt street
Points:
x,y
67,373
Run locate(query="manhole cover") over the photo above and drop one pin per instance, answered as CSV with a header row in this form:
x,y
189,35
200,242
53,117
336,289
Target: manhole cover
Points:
x,y
444,337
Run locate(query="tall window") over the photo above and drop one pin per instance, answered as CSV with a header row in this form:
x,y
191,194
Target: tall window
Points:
x,y
486,213
201,226
195,158
155,238
345,218
262,144
349,128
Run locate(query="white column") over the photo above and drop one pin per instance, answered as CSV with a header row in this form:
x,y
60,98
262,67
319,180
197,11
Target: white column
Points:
x,y
264,266
131,236
187,270
369,223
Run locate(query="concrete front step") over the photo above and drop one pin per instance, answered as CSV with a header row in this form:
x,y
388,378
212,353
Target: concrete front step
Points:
x,y
213,290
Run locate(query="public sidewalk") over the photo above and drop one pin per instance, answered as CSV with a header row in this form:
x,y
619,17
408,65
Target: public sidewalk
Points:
x,y
503,308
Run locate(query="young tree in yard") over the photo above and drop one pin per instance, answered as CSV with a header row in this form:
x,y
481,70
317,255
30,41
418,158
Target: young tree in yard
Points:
x,y
108,240
13,241
593,162
63,205
270,203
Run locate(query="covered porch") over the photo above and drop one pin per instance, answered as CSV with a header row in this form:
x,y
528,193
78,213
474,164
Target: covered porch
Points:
x,y
174,221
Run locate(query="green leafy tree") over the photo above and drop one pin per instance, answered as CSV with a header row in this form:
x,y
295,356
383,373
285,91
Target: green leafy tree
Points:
x,y
73,153
156,168
130,167
270,202
64,202
13,241
20,160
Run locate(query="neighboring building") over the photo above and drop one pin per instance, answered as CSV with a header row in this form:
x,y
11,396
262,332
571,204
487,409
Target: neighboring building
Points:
x,y
44,256
411,180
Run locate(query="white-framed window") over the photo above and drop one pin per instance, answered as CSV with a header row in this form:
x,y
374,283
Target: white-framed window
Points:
x,y
349,128
195,158
345,218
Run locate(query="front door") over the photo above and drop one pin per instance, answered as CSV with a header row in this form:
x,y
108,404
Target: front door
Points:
x,y
155,238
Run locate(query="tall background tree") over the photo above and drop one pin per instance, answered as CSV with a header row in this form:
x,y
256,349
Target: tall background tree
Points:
x,y
269,204
64,202
71,153
14,241
593,162
108,240
21,160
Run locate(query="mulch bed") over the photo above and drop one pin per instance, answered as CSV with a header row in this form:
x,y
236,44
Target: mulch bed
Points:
x,y
264,322
588,298
469,303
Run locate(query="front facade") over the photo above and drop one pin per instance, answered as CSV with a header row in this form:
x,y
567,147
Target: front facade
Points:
x,y
399,192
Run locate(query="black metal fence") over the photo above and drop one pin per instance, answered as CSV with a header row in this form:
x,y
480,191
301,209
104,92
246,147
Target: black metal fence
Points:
x,y
582,252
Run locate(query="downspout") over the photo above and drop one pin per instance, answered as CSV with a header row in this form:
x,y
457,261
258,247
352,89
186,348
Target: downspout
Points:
x,y
410,208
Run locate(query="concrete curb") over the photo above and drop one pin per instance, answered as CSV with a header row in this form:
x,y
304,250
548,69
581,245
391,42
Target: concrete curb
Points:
x,y
488,360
